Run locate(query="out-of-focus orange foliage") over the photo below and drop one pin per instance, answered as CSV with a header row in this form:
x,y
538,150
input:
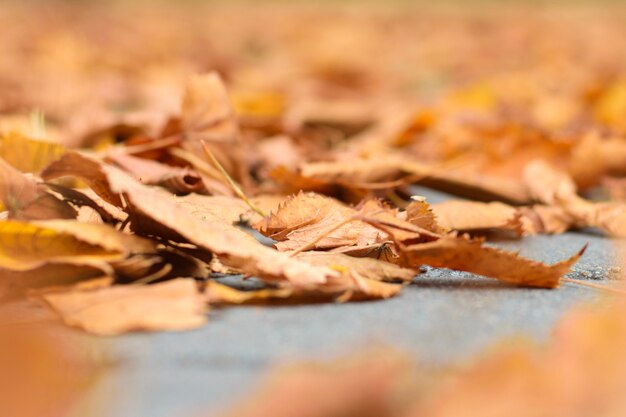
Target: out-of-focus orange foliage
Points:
x,y
45,370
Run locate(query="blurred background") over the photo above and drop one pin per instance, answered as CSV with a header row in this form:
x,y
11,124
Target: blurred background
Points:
x,y
323,71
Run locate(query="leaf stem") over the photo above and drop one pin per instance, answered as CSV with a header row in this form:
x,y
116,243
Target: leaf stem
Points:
x,y
236,188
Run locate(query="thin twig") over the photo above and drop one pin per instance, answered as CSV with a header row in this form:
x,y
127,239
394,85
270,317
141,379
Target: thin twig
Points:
x,y
197,162
236,188
153,145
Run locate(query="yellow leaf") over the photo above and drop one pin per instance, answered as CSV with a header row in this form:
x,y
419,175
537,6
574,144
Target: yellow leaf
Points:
x,y
258,104
28,155
24,246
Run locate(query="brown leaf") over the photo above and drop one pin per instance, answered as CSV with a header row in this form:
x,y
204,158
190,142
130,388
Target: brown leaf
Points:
x,y
374,269
556,188
356,173
175,179
615,188
26,199
463,254
310,217
172,305
307,216
15,283
471,216
343,287
298,211
421,214
154,214
206,110
229,209
594,157
546,219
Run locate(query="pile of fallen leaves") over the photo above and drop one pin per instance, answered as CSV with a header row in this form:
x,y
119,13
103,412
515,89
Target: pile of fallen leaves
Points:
x,y
123,214
139,230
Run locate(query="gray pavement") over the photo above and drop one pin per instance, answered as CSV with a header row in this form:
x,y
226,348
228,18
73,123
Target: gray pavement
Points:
x,y
443,319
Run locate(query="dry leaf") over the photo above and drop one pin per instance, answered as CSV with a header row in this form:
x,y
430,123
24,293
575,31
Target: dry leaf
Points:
x,y
421,214
172,305
470,216
594,157
26,154
29,245
463,254
206,110
26,199
16,283
310,217
229,209
166,218
556,188
175,179
298,211
364,173
216,293
615,188
374,269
